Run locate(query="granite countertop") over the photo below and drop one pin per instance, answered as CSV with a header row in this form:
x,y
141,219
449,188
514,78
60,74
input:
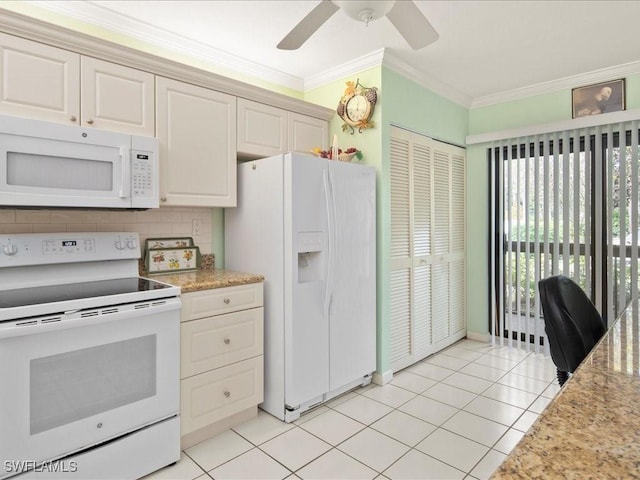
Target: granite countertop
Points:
x,y
206,278
591,429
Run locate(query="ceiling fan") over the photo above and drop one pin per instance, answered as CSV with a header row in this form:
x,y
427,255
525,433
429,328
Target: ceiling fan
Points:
x,y
403,14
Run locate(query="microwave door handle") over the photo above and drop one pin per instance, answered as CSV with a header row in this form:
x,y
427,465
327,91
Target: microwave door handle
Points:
x,y
125,162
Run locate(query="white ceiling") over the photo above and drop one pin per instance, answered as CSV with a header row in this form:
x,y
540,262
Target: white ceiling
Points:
x,y
488,51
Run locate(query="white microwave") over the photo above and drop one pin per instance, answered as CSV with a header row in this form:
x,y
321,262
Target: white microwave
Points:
x,y
50,165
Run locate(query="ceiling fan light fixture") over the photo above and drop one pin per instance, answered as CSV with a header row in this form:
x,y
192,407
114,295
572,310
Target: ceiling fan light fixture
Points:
x,y
365,11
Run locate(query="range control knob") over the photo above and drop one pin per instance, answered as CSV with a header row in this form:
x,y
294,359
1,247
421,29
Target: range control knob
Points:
x,y
132,244
9,249
119,244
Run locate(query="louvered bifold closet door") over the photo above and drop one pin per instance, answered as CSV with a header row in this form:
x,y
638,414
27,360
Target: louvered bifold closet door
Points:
x,y
441,239
427,246
400,301
458,234
421,155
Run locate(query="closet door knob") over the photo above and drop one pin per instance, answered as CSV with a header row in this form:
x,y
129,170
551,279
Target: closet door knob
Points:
x,y
227,341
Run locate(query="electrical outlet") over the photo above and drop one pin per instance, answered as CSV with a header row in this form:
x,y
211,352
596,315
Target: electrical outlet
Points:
x,y
196,227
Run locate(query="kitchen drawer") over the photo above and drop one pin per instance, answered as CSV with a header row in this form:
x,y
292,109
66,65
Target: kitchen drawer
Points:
x,y
217,394
213,342
217,301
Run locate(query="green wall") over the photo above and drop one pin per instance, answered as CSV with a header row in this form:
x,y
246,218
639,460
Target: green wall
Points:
x,y
531,111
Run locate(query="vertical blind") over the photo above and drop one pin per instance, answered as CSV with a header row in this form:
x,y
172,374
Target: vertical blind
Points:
x,y
562,203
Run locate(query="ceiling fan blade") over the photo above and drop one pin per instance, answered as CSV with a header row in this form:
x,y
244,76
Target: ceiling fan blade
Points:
x,y
412,24
308,25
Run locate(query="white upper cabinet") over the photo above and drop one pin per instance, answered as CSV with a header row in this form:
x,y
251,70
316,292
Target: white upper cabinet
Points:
x,y
117,98
196,128
52,84
306,133
39,81
264,131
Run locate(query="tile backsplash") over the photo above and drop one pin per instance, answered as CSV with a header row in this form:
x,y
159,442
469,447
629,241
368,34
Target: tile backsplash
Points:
x,y
159,222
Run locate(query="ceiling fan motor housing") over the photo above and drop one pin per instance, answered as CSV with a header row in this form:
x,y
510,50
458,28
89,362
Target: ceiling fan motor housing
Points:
x,y
365,11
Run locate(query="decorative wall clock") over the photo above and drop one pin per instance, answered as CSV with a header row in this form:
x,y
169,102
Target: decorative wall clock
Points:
x,y
356,107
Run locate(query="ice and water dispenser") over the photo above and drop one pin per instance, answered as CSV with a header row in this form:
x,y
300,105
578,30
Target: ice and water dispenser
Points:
x,y
311,256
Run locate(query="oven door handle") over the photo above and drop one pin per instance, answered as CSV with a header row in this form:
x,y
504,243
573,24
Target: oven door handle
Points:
x,y
87,317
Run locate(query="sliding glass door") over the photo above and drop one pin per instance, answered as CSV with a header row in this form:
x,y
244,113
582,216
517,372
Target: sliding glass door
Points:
x,y
563,203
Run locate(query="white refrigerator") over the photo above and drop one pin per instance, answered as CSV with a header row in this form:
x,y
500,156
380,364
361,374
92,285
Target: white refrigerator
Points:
x,y
308,225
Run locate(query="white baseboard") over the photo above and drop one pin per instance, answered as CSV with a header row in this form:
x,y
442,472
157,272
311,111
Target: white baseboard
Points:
x,y
382,378
479,337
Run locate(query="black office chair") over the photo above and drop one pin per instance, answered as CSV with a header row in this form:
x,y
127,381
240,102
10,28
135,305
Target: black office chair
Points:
x,y
572,323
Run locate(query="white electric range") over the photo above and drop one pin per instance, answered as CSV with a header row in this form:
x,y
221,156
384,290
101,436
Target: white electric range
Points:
x,y
89,359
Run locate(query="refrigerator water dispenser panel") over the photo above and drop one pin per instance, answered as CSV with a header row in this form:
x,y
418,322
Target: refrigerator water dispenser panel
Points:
x,y
310,256
310,241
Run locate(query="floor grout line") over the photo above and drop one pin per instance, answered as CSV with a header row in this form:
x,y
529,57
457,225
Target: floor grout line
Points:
x,y
414,395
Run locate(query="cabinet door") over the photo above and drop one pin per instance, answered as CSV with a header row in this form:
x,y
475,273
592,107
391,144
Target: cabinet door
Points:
x,y
215,395
196,128
262,129
213,342
116,98
39,81
217,301
305,133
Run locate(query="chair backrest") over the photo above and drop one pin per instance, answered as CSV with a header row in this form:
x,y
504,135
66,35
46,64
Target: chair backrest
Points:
x,y
572,323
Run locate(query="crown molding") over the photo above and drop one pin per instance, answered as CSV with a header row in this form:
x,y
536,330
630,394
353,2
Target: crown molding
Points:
x,y
365,62
104,18
596,76
383,57
40,31
99,16
421,78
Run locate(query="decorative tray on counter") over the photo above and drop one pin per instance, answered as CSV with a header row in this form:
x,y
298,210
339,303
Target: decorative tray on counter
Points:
x,y
166,260
177,242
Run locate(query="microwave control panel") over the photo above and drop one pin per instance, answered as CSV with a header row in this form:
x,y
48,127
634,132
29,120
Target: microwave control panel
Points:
x,y
142,174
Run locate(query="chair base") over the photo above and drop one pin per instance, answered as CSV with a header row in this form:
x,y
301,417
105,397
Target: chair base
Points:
x,y
562,377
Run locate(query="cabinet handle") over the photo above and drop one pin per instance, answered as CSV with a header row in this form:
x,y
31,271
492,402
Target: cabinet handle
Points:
x,y
227,301
90,122
73,118
227,393
163,199
227,341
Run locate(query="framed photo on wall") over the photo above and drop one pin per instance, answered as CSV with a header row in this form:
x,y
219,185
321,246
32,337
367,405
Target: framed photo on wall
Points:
x,y
599,98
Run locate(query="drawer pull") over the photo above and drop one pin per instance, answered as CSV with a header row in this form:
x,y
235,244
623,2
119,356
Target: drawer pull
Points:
x,y
227,301
227,393
227,341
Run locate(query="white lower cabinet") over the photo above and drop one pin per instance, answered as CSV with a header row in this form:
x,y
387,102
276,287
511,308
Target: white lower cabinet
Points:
x,y
221,366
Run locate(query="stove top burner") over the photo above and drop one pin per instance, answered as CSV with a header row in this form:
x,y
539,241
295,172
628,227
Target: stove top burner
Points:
x,y
73,291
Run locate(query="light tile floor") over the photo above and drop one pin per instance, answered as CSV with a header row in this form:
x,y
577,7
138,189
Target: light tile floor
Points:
x,y
454,415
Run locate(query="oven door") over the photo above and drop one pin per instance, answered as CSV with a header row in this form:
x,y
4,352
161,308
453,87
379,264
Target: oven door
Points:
x,y
76,380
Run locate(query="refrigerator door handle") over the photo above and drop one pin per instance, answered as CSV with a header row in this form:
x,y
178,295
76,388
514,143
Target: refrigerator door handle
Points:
x,y
328,197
